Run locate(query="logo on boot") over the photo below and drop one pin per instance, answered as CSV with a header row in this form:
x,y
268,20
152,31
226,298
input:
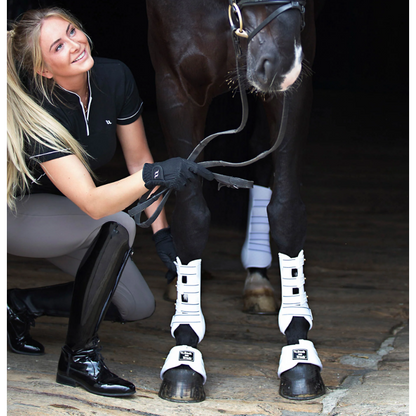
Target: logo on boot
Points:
x,y
186,356
299,354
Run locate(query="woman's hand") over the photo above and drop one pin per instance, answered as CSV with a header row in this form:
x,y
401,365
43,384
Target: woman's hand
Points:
x,y
166,250
173,173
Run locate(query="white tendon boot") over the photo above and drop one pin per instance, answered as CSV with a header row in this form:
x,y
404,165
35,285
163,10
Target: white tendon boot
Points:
x,y
258,293
187,311
303,382
294,299
256,249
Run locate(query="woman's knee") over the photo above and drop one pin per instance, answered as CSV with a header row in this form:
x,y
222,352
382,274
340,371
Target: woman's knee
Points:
x,y
133,297
126,221
133,308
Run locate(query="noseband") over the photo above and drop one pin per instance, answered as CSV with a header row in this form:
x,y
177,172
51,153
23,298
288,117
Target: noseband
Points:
x,y
236,19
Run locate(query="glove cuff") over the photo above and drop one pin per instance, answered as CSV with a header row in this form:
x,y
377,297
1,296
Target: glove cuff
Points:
x,y
152,175
161,235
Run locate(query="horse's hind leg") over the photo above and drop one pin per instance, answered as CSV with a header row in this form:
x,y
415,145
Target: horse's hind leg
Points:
x,y
258,293
256,256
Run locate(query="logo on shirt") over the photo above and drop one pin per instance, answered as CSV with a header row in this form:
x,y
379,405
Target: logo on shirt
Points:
x,y
108,122
156,174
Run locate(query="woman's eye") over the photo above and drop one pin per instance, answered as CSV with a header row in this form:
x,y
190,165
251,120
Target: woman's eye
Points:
x,y
59,47
72,31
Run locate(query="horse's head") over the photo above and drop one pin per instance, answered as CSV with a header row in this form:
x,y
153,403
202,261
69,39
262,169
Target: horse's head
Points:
x,y
274,50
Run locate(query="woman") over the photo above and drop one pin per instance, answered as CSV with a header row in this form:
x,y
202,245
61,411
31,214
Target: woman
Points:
x,y
65,111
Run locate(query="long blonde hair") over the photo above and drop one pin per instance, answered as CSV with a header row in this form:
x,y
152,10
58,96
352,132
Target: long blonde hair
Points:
x,y
26,119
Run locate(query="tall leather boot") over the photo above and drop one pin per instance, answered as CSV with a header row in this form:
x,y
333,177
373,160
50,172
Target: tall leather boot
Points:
x,y
80,362
18,337
24,305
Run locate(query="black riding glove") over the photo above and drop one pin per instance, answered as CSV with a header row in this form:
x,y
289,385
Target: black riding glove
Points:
x,y
166,250
173,173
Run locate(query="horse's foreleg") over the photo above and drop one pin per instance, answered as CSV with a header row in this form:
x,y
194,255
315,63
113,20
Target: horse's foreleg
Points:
x,y
300,366
190,223
183,374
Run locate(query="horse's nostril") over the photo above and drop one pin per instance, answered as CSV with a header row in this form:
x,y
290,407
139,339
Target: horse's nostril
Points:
x,y
266,71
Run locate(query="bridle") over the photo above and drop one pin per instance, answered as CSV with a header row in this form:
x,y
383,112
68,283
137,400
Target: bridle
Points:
x,y
236,19
238,32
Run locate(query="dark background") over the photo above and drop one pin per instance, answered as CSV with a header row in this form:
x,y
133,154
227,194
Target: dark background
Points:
x,y
361,45
361,75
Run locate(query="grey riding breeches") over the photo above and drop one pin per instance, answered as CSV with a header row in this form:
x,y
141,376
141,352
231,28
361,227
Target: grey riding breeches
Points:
x,y
53,227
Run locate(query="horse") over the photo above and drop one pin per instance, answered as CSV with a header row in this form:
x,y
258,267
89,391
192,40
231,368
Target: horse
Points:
x,y
201,49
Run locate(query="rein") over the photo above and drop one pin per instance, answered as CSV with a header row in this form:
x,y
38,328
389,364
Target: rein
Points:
x,y
224,180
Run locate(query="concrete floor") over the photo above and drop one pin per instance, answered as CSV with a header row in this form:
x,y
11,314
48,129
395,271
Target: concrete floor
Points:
x,y
356,191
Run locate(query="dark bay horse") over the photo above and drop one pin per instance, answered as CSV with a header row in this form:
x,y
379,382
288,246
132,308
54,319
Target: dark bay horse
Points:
x,y
194,56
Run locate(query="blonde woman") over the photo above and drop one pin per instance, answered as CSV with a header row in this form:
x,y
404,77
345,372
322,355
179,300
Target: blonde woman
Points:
x,y
66,110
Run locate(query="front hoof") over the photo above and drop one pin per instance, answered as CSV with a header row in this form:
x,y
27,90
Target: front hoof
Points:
x,y
302,382
182,384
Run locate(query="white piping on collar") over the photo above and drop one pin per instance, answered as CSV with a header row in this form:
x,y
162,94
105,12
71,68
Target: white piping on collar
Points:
x,y
86,116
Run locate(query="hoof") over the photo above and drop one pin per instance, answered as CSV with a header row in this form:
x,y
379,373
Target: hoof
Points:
x,y
302,382
170,291
258,295
182,384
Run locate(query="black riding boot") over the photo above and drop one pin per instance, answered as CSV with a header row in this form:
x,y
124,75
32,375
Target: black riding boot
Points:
x,y
24,305
18,337
81,362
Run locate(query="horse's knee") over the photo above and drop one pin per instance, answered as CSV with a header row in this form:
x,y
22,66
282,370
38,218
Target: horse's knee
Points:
x,y
288,225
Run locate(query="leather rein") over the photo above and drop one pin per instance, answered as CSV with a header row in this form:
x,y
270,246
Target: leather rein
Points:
x,y
237,31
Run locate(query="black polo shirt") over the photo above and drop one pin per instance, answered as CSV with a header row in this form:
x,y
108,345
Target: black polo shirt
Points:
x,y
114,99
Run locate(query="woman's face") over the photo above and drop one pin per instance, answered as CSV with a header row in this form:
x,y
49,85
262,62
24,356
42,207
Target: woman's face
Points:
x,y
66,52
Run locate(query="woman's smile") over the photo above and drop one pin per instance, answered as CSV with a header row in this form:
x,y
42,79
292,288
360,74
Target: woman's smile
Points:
x,y
83,55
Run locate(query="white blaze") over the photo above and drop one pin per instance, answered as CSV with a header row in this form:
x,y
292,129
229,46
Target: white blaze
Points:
x,y
294,71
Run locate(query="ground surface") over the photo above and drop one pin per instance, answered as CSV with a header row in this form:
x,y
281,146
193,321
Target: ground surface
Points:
x,y
356,191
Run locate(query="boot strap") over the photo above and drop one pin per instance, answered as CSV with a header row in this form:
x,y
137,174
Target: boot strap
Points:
x,y
291,355
185,355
